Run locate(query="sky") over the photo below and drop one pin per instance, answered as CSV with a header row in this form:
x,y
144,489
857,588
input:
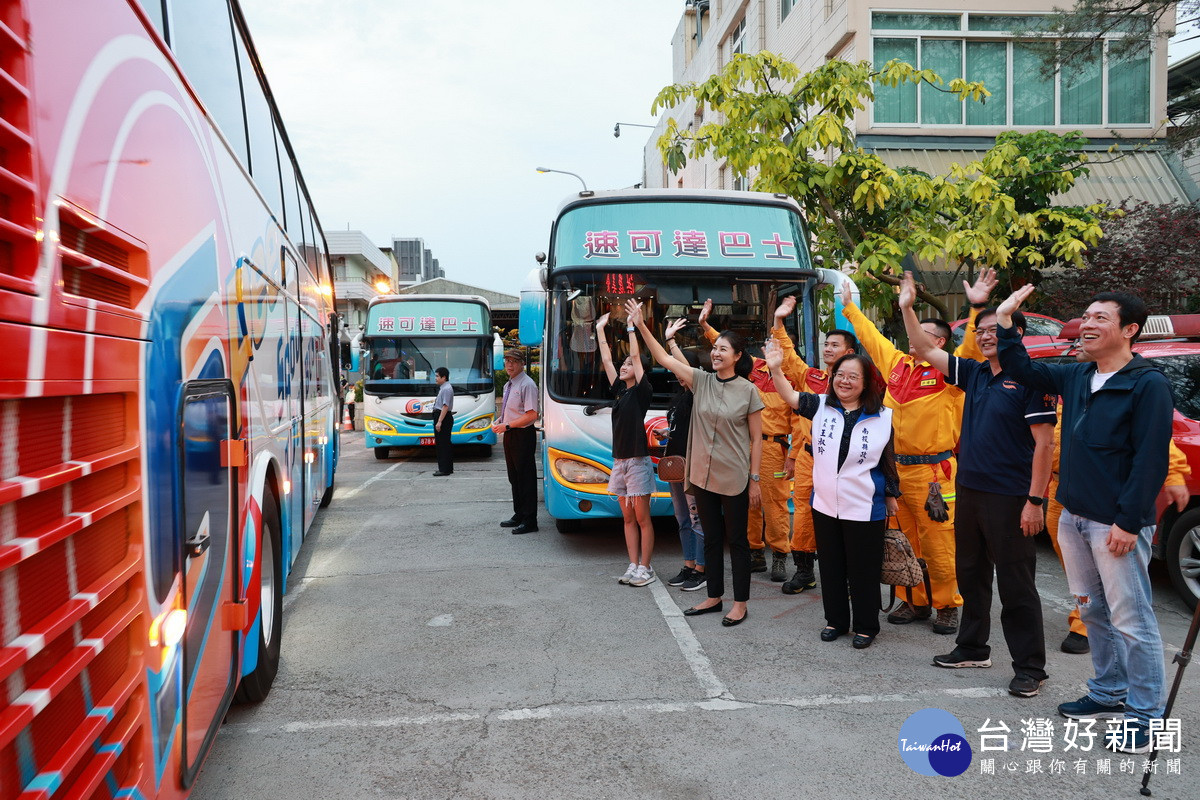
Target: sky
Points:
x,y
429,119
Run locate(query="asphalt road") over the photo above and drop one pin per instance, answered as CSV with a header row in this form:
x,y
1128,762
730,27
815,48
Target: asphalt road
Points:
x,y
428,653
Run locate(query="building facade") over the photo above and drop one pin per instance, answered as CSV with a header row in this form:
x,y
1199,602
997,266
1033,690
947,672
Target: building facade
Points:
x,y
1111,99
415,260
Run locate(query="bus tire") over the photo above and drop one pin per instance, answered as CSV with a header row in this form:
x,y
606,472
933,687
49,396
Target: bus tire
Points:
x,y
327,498
382,453
568,525
485,450
1182,555
255,687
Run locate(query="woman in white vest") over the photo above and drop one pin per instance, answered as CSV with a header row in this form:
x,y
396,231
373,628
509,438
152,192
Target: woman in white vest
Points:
x,y
855,486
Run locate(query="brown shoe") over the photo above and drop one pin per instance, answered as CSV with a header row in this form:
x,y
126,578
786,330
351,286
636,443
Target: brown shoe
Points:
x,y
946,621
908,613
758,560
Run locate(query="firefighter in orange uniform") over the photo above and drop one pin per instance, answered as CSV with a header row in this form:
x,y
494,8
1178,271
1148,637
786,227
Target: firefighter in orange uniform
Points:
x,y
800,461
777,418
926,418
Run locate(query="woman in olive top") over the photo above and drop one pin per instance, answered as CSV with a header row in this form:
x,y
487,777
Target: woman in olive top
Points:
x,y
723,456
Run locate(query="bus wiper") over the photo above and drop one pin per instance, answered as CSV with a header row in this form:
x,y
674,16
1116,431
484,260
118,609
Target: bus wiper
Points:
x,y
591,410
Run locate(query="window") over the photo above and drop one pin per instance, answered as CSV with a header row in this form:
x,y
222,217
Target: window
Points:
x,y
1101,90
264,160
202,39
737,39
785,8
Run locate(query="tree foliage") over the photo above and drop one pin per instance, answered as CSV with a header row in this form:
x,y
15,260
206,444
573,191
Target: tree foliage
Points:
x,y
1088,22
1150,250
792,132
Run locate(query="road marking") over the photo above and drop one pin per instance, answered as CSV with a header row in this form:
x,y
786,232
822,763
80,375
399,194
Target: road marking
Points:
x,y
354,492
444,621
689,645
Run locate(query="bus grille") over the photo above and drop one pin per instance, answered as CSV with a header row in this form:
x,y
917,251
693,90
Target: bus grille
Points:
x,y
19,232
72,597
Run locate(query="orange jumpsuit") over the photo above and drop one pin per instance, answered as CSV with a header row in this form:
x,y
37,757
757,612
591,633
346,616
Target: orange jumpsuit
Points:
x,y
1177,475
805,379
777,418
926,419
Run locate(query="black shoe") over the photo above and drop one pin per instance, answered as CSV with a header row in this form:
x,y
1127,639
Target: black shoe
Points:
x,y
525,527
805,578
510,523
696,611
440,474
683,576
729,623
1024,686
831,634
862,640
758,560
778,567
1076,644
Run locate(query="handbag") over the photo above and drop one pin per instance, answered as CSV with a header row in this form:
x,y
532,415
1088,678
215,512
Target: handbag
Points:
x,y
901,567
672,469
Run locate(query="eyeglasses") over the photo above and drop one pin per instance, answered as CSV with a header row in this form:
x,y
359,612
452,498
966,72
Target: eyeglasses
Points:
x,y
990,330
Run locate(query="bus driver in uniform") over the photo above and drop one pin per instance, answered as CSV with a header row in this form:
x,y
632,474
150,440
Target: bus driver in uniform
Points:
x,y
518,412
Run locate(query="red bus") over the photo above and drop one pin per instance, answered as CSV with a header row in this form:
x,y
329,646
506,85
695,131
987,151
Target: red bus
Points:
x,y
167,388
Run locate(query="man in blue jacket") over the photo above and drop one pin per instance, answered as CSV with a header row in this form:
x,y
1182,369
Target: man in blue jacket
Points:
x,y
1116,428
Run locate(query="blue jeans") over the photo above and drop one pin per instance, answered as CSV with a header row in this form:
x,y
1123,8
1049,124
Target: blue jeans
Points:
x,y
690,534
1115,603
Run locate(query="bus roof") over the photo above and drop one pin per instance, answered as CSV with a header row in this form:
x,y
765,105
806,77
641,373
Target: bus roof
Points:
x,y
697,195
408,298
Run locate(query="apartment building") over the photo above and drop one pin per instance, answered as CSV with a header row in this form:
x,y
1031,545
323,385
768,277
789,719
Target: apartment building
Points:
x,y
360,272
416,261
1108,100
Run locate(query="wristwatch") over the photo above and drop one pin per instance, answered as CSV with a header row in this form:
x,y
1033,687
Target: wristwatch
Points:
x,y
754,477
1037,501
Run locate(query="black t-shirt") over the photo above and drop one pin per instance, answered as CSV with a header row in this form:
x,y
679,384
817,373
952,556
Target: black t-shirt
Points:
x,y
679,422
629,418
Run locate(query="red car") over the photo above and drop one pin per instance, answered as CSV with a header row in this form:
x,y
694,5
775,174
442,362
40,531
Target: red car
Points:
x,y
1173,345
1039,330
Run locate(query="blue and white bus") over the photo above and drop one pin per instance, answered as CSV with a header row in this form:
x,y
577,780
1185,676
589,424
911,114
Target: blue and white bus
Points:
x,y
672,250
407,338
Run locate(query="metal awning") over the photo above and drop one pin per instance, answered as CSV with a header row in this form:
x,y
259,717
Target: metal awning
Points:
x,y
1135,175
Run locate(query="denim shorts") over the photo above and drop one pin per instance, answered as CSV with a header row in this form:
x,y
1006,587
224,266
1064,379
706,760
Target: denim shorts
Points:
x,y
632,477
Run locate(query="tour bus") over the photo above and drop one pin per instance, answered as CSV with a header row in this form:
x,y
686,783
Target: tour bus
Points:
x,y
671,250
409,336
169,405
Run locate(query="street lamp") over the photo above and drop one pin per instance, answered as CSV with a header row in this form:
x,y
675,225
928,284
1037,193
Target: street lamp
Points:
x,y
617,127
564,172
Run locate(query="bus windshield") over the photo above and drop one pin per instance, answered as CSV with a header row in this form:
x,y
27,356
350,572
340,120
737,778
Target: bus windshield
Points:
x,y
577,299
405,364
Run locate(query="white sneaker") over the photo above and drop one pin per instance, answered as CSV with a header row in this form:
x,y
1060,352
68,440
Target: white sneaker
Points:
x,y
629,574
644,576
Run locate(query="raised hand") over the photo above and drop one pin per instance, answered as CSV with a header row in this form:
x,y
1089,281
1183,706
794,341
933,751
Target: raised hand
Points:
x,y
787,306
705,311
908,290
1012,303
602,322
675,326
847,295
773,354
981,290
634,310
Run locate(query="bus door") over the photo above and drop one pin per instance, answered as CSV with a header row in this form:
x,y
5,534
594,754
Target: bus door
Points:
x,y
209,576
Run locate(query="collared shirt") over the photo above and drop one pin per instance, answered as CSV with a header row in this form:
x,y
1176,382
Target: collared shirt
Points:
x,y
777,417
520,395
718,455
996,450
445,398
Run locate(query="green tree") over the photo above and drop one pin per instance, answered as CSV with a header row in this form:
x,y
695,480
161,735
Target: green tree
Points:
x,y
793,131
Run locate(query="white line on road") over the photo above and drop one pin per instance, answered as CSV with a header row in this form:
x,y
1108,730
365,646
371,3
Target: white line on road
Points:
x,y
689,645
352,492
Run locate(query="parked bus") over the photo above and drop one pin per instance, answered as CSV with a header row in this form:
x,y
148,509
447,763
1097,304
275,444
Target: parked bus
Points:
x,y
671,250
409,336
169,405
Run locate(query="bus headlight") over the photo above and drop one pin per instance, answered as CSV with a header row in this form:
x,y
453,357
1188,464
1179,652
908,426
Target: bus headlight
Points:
x,y
479,423
578,472
378,426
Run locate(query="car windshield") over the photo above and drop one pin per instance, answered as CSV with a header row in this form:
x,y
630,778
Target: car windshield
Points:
x,y
1183,371
571,357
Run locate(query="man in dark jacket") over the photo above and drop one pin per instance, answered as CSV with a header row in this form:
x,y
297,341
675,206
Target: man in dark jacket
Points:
x,y
1116,428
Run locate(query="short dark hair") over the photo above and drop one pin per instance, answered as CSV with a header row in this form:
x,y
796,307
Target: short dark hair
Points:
x,y
943,327
737,342
873,384
442,372
851,339
1018,318
1131,309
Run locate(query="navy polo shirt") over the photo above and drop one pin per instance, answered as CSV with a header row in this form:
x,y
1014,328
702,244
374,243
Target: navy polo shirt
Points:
x,y
995,450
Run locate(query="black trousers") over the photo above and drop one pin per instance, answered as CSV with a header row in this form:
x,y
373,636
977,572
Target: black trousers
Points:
x,y
441,443
723,518
851,557
987,538
520,446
